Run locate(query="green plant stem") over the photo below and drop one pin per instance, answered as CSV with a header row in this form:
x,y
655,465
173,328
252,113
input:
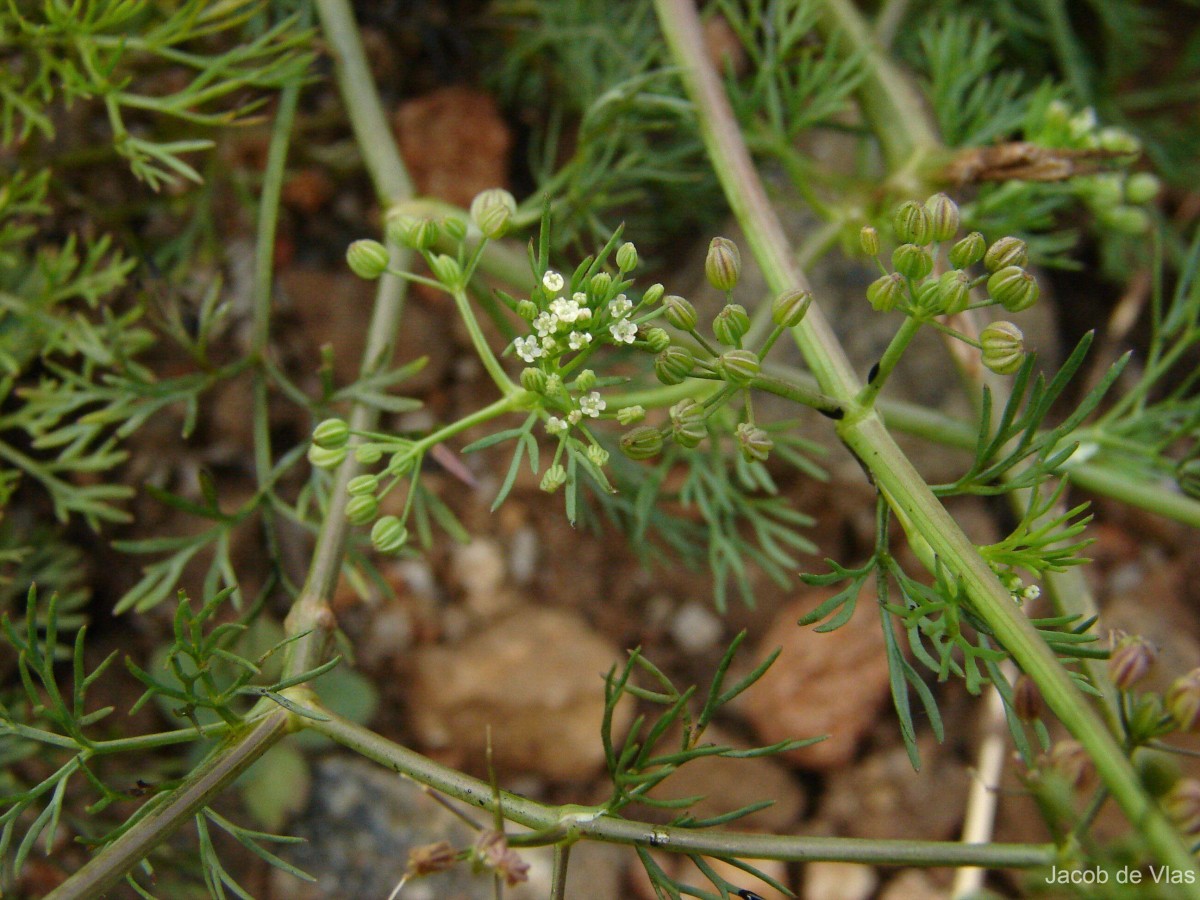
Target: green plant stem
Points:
x,y
539,816
886,96
946,431
223,765
372,132
887,363
311,617
562,856
864,433
479,342
264,270
799,392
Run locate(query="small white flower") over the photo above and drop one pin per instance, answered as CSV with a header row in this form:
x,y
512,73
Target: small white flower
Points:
x,y
592,404
566,310
1032,592
583,315
579,339
555,425
580,297
545,323
552,281
528,349
574,416
549,344
623,331
620,306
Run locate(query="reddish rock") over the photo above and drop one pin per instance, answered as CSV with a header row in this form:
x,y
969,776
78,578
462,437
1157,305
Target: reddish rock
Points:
x,y
454,143
831,683
535,679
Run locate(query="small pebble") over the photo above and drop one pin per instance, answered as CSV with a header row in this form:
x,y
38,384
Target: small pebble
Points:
x,y
695,627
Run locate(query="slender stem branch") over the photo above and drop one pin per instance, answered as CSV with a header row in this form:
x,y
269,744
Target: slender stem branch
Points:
x,y
887,363
223,765
864,433
541,816
799,392
558,886
264,270
479,342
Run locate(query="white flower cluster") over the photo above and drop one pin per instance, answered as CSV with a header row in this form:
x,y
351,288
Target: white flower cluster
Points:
x,y
565,324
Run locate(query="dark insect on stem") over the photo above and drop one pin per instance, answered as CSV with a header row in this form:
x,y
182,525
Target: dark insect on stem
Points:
x,y
873,373
835,413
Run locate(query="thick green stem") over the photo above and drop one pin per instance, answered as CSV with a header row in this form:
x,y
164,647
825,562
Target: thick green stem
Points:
x,y
864,433
310,615
541,817
372,133
223,765
887,99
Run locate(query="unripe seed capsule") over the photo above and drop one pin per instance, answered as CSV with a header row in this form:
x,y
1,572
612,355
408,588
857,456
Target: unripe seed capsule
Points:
x,y
1130,661
367,259
1013,288
885,292
929,299
1182,805
361,509
630,415
627,257
680,312
1008,251
642,443
723,265
968,251
422,234
739,366
657,339
912,223
456,228
599,285
912,261
1183,701
554,478
597,456
331,434
788,309
1141,187
674,365
368,454
731,324
326,457
388,535
943,217
955,289
868,239
362,484
753,442
687,423
653,294
533,380
1003,347
585,380
492,212
446,270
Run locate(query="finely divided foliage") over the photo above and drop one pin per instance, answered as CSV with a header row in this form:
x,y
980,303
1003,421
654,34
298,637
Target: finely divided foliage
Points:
x,y
652,403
